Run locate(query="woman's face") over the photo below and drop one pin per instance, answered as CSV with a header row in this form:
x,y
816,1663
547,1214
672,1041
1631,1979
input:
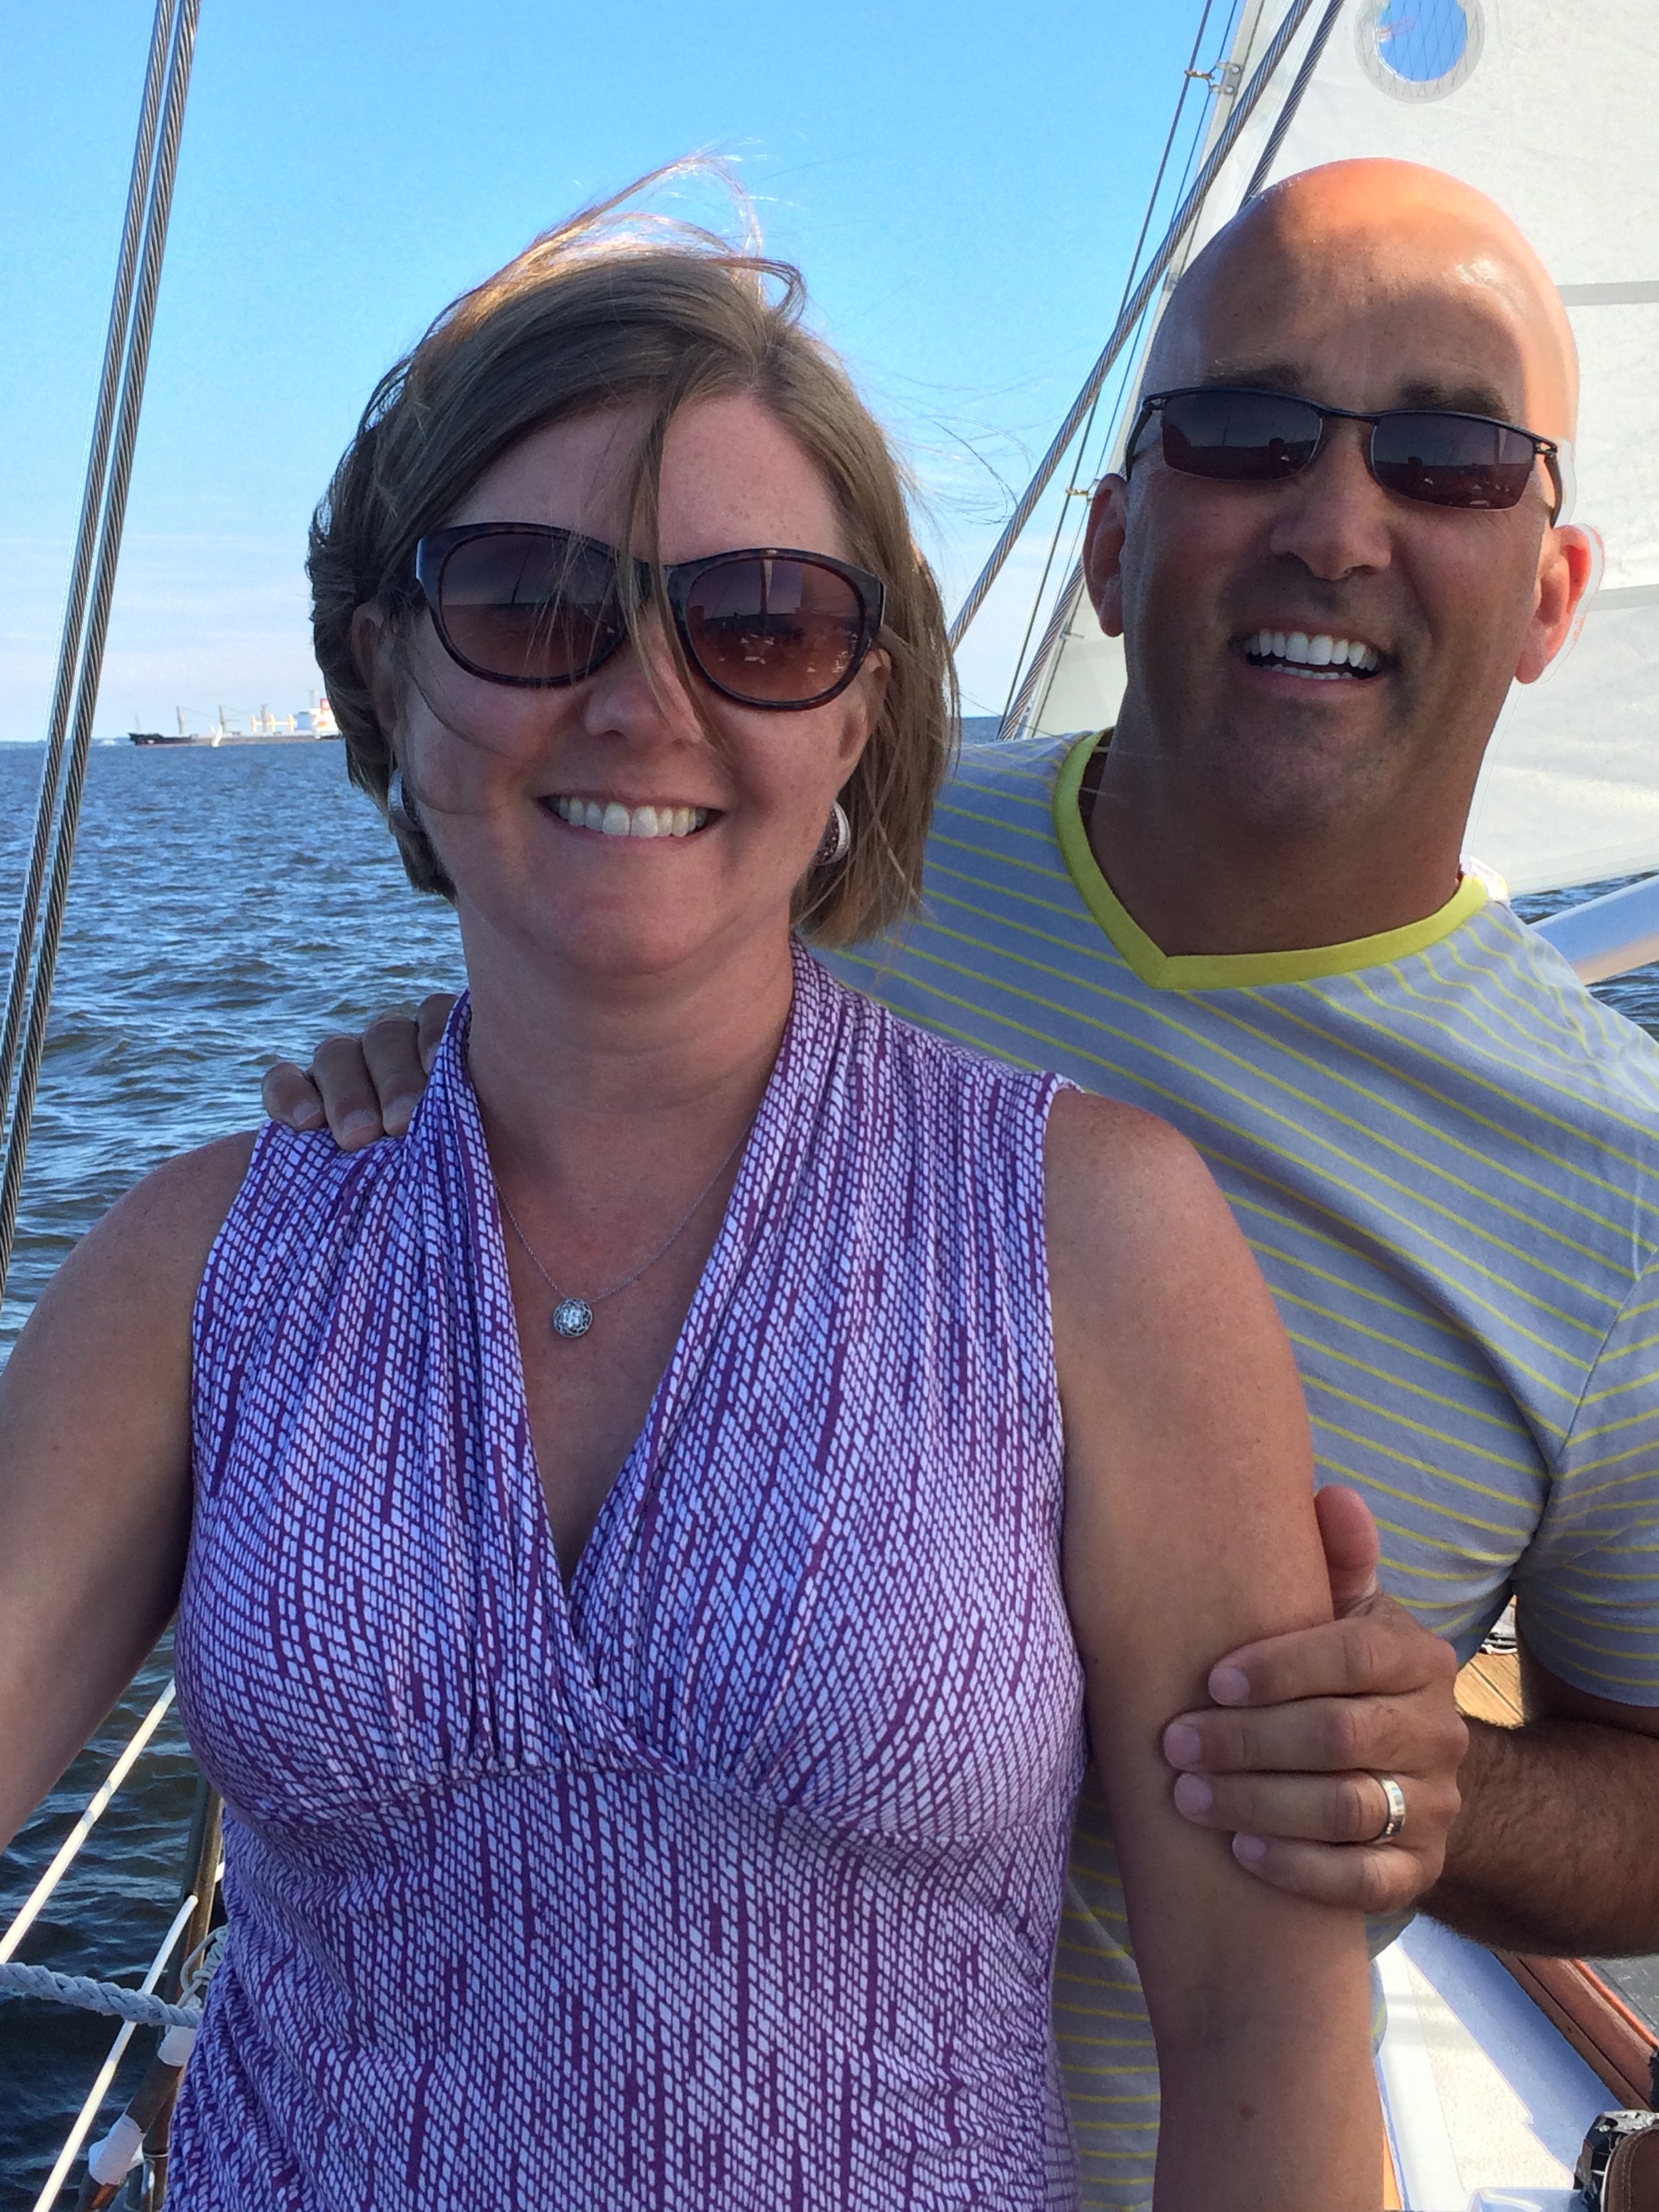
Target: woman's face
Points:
x,y
496,771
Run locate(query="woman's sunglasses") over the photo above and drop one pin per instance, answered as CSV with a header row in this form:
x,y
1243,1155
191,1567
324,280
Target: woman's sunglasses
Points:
x,y
522,602
1234,435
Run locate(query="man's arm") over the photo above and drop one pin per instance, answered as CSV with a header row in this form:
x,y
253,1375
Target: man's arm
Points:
x,y
1557,1849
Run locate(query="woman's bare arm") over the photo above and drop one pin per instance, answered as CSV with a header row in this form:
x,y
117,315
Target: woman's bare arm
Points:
x,y
94,1467
1189,1531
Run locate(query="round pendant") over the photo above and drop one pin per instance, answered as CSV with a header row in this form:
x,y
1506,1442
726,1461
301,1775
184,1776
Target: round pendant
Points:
x,y
573,1317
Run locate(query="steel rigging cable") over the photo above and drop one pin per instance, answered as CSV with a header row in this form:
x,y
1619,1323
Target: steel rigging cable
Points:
x,y
92,582
1185,217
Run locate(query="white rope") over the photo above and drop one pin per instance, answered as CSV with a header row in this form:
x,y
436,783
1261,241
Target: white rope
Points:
x,y
84,1826
111,1998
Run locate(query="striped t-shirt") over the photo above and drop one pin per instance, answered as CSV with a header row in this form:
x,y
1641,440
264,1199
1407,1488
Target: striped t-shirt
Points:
x,y
1445,1155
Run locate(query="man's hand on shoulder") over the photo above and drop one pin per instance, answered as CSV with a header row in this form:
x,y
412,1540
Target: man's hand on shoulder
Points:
x,y
1290,1756
361,1088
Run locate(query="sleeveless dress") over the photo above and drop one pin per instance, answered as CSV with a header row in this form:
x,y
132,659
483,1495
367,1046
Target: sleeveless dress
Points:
x,y
730,1878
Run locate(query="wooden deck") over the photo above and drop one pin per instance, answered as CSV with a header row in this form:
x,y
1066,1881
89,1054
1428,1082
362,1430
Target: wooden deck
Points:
x,y
1489,1689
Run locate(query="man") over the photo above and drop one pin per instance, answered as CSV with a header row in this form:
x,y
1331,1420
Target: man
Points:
x,y
1245,913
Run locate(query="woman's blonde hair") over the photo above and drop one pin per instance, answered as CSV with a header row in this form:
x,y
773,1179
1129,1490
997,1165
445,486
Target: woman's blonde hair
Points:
x,y
607,309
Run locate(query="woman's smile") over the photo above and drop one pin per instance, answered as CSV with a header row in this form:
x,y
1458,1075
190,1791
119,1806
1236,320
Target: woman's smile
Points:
x,y
616,818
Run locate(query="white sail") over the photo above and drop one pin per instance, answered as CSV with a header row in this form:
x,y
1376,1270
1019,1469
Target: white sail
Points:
x,y
1549,106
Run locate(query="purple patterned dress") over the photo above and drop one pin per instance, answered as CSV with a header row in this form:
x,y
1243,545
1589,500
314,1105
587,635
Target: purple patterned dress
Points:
x,y
730,1880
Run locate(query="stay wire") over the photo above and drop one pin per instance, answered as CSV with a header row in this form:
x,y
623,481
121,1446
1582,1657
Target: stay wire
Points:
x,y
1066,604
85,691
1189,76
1186,216
91,509
1311,60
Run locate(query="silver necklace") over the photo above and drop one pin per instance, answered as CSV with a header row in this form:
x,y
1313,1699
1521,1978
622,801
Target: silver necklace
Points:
x,y
572,1316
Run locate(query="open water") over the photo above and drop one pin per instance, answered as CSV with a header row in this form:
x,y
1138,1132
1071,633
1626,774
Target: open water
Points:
x,y
228,908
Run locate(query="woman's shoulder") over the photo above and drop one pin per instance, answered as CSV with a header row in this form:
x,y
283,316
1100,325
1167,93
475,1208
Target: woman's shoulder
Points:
x,y
132,1280
177,1209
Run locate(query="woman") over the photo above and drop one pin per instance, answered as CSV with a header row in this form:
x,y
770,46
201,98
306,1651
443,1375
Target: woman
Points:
x,y
644,1545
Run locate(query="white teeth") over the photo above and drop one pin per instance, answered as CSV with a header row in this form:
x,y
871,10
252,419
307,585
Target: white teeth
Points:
x,y
1322,652
612,819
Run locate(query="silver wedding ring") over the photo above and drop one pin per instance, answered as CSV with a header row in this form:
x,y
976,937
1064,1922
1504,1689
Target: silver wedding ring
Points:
x,y
1396,1799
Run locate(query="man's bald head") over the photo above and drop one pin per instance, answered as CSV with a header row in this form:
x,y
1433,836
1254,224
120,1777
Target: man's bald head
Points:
x,y
1355,245
1317,660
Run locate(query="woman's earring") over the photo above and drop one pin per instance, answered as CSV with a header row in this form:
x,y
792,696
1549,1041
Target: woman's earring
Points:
x,y
837,839
400,807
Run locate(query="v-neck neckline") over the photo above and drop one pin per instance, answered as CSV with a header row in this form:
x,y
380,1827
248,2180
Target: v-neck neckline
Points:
x,y
589,1609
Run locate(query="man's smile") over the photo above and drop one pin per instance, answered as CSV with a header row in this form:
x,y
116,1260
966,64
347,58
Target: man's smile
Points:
x,y
1322,657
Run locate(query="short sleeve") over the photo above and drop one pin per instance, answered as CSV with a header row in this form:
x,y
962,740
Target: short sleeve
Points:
x,y
1588,1585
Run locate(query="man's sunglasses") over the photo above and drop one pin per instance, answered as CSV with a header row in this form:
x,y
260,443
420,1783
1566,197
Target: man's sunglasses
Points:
x,y
1234,434
522,602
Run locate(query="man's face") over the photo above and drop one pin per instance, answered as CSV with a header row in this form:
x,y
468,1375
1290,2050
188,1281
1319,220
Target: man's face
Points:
x,y
1444,602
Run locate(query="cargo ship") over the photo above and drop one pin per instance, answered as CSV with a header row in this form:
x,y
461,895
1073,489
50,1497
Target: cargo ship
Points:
x,y
263,728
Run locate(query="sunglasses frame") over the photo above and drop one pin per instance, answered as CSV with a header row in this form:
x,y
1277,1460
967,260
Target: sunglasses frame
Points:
x,y
433,552
1544,449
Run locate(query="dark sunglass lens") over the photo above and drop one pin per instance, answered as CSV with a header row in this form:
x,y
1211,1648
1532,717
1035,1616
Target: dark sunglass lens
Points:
x,y
775,632
1451,460
1239,437
530,607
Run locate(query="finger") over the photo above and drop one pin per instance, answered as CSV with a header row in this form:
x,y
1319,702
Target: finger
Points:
x,y
431,1014
1378,1651
1319,1809
1353,1547
341,1075
1376,1878
392,1057
288,1096
1321,1735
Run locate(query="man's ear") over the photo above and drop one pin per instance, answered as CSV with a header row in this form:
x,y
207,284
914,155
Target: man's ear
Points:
x,y
1103,552
1568,568
371,648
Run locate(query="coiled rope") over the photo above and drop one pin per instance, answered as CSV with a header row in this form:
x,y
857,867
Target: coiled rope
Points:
x,y
110,1998
116,2002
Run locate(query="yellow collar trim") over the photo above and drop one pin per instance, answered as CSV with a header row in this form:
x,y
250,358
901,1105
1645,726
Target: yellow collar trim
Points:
x,y
1225,971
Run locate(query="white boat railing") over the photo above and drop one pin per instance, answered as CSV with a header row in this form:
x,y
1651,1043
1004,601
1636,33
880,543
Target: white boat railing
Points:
x,y
97,1805
89,2112
1610,935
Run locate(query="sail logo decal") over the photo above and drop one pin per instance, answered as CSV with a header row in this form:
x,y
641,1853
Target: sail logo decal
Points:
x,y
1420,49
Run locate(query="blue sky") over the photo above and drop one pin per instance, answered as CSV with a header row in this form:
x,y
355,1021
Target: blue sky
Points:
x,y
961,185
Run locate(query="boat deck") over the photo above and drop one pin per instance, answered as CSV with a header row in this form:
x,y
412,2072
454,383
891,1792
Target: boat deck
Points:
x,y
1494,2064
